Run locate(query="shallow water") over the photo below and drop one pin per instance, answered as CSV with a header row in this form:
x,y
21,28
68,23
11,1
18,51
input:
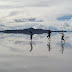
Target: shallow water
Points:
x,y
19,54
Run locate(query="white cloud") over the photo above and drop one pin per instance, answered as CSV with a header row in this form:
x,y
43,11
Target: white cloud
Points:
x,y
46,10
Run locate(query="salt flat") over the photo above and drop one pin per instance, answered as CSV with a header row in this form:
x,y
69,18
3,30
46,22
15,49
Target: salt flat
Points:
x,y
19,54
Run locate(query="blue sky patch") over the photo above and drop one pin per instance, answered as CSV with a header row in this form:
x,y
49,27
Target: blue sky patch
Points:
x,y
63,18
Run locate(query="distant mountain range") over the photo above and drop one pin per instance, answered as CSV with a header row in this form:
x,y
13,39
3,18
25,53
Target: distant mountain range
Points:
x,y
27,31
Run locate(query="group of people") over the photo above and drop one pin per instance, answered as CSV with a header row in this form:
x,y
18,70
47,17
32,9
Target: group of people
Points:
x,y
49,35
62,38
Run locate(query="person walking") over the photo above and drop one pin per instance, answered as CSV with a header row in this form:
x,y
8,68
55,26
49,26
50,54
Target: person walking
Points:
x,y
62,38
31,35
49,34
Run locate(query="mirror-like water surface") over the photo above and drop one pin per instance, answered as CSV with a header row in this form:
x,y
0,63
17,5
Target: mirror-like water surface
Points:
x,y
19,54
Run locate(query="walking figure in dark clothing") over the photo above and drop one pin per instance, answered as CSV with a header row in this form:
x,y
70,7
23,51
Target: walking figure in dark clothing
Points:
x,y
31,35
49,34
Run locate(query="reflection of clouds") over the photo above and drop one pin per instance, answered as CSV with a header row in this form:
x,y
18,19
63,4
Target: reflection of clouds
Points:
x,y
11,48
35,36
49,46
12,35
67,37
20,42
21,45
31,46
67,45
62,47
27,42
14,49
2,37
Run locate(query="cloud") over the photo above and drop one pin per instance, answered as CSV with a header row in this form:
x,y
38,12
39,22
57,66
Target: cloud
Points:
x,y
28,20
33,3
2,25
14,13
48,13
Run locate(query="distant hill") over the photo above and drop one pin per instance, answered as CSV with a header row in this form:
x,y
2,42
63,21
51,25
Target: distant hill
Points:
x,y
27,31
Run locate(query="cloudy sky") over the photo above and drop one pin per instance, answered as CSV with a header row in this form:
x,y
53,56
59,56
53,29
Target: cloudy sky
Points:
x,y
20,14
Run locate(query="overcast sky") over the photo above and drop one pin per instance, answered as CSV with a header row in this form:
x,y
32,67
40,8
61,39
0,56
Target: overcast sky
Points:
x,y
15,14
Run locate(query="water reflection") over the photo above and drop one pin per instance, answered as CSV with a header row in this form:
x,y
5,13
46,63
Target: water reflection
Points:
x,y
31,46
19,43
15,52
62,47
49,46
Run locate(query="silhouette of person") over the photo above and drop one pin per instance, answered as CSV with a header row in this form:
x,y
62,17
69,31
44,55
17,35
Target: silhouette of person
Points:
x,y
49,47
31,46
49,34
62,46
31,35
62,38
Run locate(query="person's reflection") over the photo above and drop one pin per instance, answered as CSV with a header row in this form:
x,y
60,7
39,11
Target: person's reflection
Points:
x,y
49,46
62,47
31,46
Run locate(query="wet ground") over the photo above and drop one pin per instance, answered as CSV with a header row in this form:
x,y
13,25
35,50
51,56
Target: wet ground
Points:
x,y
19,54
